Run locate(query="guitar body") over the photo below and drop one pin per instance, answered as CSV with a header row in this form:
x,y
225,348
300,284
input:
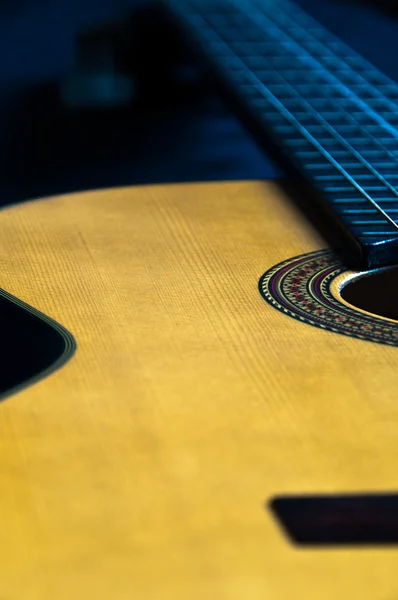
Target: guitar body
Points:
x,y
144,467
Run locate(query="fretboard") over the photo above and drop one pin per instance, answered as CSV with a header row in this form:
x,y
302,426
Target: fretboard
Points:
x,y
330,112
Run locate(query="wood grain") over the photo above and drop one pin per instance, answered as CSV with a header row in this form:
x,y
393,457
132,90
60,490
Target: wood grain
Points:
x,y
141,468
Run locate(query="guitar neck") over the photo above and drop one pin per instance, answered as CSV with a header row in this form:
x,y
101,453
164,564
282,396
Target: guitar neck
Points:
x,y
332,114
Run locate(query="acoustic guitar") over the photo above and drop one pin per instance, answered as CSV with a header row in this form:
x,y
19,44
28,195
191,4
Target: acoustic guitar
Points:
x,y
195,403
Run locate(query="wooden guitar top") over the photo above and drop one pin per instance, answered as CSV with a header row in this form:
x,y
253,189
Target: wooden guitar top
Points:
x,y
143,468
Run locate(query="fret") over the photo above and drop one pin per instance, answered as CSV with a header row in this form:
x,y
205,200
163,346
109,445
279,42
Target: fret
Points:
x,y
366,222
321,165
319,179
335,201
378,193
379,166
374,190
350,194
385,234
334,190
341,154
330,177
363,211
379,103
354,199
316,129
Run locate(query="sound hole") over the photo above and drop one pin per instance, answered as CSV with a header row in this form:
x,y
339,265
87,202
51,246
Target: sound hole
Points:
x,y
376,293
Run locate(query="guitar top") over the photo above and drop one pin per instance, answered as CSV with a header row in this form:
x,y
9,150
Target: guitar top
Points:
x,y
200,411
148,465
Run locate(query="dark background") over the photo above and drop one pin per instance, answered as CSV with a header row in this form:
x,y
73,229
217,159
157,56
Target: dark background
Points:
x,y
178,132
